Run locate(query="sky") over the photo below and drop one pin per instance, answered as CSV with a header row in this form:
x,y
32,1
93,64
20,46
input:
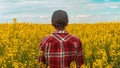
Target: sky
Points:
x,y
40,11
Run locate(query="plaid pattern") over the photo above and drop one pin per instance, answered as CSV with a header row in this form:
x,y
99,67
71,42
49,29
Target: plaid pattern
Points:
x,y
60,49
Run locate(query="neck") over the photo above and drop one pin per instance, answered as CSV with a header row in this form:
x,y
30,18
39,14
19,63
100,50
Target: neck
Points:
x,y
61,31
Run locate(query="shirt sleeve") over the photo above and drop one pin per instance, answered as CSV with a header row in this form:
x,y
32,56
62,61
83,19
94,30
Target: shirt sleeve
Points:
x,y
41,57
80,55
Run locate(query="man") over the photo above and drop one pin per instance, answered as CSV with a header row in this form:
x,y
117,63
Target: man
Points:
x,y
60,49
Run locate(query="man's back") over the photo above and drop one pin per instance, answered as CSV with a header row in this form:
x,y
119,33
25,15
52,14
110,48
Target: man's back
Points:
x,y
60,49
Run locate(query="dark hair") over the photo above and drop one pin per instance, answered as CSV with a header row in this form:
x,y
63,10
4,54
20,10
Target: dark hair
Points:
x,y
59,19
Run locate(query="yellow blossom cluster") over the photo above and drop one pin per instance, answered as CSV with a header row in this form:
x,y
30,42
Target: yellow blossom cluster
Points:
x,y
19,44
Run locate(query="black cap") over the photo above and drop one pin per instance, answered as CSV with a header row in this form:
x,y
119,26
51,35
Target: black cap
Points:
x,y
59,18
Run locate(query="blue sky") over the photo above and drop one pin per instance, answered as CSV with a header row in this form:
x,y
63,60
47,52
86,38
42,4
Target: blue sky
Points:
x,y
40,11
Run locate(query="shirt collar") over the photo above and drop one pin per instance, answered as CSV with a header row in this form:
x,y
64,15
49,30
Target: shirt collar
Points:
x,y
60,31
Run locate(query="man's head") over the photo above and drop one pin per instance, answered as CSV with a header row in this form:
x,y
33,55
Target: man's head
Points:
x,y
59,19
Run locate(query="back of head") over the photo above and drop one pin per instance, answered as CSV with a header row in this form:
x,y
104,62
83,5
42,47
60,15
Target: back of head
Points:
x,y
59,19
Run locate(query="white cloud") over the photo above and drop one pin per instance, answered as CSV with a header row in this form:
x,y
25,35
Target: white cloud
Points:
x,y
107,13
113,6
99,6
79,16
82,16
43,17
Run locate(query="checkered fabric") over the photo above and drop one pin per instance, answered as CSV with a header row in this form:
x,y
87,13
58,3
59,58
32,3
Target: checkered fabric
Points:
x,y
60,49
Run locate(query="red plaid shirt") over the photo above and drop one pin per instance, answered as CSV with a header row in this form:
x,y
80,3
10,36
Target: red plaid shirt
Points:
x,y
60,49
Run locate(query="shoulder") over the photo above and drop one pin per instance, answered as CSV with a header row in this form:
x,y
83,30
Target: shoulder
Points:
x,y
46,38
75,37
43,41
77,40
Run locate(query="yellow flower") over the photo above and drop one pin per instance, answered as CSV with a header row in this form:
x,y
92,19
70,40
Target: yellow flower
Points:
x,y
19,43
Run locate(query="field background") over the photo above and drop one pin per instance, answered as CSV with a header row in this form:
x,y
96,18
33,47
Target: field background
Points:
x,y
19,43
